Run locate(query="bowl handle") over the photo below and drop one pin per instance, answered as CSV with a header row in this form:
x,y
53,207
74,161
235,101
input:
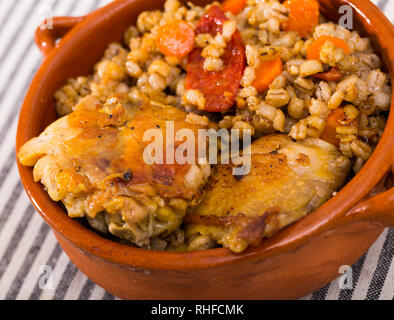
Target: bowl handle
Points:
x,y
376,209
50,32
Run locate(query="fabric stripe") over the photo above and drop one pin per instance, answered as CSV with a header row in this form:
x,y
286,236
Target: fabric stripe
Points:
x,y
12,65
321,293
108,296
76,286
12,115
333,290
18,51
369,267
65,281
22,244
9,252
7,167
33,252
6,190
307,297
51,262
17,84
6,10
388,288
383,266
7,152
13,224
8,46
46,250
382,4
10,205
12,19
14,72
97,293
58,271
346,294
87,290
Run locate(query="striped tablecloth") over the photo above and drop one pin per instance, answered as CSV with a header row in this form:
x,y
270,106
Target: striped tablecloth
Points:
x,y
26,243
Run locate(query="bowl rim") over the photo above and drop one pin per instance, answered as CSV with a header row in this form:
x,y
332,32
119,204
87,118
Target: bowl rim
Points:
x,y
287,239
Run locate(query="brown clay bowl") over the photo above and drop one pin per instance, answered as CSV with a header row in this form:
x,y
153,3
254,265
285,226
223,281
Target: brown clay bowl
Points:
x,y
298,260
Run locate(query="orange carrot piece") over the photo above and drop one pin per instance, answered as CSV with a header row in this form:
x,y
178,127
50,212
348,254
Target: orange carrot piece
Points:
x,y
266,72
175,38
234,6
332,75
304,15
330,130
313,52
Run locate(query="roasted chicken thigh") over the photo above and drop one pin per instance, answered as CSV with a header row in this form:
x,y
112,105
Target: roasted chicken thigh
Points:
x,y
92,160
287,180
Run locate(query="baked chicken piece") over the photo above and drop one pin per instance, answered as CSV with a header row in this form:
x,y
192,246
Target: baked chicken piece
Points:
x,y
92,161
287,180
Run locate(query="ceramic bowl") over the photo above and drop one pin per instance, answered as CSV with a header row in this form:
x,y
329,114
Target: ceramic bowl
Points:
x,y
301,258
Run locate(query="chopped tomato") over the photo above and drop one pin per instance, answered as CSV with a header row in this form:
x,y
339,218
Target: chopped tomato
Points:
x,y
175,38
219,88
304,15
332,75
313,52
234,6
333,121
266,72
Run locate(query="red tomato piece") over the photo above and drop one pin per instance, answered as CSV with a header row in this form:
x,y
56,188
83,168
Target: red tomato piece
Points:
x,y
332,75
219,88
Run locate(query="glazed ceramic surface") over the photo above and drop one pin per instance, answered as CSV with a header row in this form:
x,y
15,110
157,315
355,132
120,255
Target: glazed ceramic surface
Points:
x,y
298,260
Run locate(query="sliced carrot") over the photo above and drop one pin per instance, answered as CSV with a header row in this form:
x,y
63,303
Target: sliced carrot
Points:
x,y
234,6
330,130
313,52
332,75
175,38
266,72
304,15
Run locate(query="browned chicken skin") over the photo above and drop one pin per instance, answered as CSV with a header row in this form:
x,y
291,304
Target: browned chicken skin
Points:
x,y
92,161
287,180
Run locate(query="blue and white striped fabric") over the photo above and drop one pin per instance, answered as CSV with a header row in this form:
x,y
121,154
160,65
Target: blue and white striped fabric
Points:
x,y
26,243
